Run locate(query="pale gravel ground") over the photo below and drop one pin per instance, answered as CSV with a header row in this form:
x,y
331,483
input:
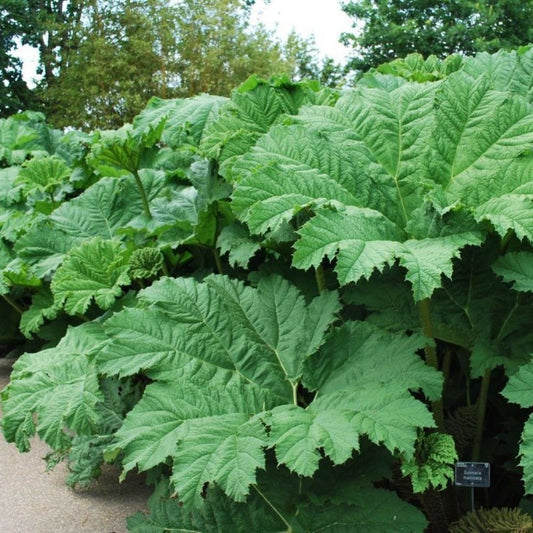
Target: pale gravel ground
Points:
x,y
35,501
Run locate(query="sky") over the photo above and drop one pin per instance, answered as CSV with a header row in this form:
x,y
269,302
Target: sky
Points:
x,y
323,19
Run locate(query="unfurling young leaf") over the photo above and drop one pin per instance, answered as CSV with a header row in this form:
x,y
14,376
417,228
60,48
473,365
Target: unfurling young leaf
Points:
x,y
433,465
96,270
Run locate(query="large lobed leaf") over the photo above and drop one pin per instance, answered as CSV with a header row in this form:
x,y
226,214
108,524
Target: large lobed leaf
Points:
x,y
369,169
343,501
255,106
519,390
516,268
255,347
181,120
96,270
60,387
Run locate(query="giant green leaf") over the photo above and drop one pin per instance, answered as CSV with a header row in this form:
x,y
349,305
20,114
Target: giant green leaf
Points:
x,y
472,165
254,346
218,327
184,120
362,168
253,108
210,438
516,268
59,386
44,247
105,207
96,270
43,174
363,240
519,390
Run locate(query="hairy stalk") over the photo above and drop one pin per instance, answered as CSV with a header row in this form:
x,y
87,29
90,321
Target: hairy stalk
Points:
x,y
480,416
271,505
52,200
142,192
295,393
13,304
320,277
484,392
431,357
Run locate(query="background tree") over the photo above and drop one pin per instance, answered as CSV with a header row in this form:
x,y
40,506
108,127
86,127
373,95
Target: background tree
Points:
x,y
112,70
387,29
101,60
218,48
14,93
305,64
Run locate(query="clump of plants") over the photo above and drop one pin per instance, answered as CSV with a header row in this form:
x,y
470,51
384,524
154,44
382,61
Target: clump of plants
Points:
x,y
294,309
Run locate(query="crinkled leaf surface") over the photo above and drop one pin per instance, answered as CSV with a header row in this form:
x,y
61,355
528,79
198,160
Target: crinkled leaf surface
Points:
x,y
236,241
44,247
344,372
299,435
253,108
366,153
519,390
106,207
60,386
433,465
42,307
516,268
184,119
368,167
44,173
96,270
509,212
218,326
363,240
505,70
209,437
250,343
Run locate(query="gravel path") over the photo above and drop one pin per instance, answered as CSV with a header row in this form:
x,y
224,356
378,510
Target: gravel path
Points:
x,y
35,501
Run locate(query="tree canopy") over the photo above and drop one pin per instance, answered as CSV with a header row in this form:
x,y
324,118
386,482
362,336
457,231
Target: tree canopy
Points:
x,y
101,60
387,29
14,21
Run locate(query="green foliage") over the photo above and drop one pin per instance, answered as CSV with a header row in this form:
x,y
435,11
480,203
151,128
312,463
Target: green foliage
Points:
x,y
145,263
282,502
415,68
432,466
389,30
254,107
102,61
97,269
275,303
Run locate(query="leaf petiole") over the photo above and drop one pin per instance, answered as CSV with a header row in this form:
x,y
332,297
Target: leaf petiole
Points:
x,y
273,507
